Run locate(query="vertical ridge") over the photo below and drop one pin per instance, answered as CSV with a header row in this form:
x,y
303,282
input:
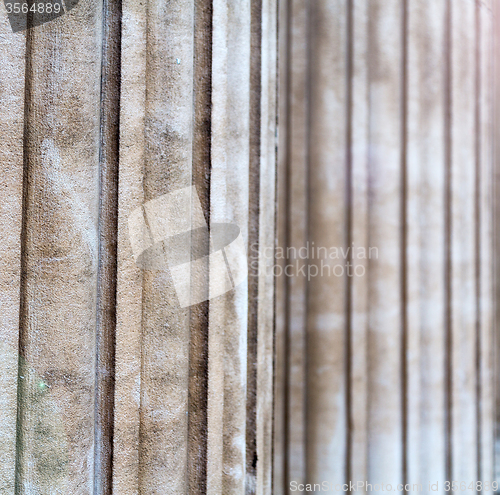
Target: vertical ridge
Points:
x,y
267,241
253,241
463,250
425,353
349,237
477,227
230,188
486,266
59,254
496,233
12,76
107,228
165,324
360,237
404,241
448,226
295,237
198,361
23,261
287,239
384,204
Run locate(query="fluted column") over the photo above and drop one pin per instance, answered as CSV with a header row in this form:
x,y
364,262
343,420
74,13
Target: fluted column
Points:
x,y
113,381
384,339
194,383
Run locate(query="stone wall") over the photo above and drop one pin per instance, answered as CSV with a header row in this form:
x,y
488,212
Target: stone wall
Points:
x,y
248,244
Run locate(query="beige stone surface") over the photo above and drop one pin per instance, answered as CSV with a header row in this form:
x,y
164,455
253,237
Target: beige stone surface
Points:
x,y
280,424
112,382
154,360
486,322
495,8
426,238
326,196
92,391
12,53
165,326
360,236
267,229
60,254
229,202
294,153
129,276
464,420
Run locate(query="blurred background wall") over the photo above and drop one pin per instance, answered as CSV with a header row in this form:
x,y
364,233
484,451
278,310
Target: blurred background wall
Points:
x,y
386,374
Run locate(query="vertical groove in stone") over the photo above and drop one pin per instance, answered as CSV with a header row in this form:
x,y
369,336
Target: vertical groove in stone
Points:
x,y
18,481
12,84
253,242
477,225
349,54
280,394
216,350
286,220
308,73
59,255
108,225
448,227
198,361
404,241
